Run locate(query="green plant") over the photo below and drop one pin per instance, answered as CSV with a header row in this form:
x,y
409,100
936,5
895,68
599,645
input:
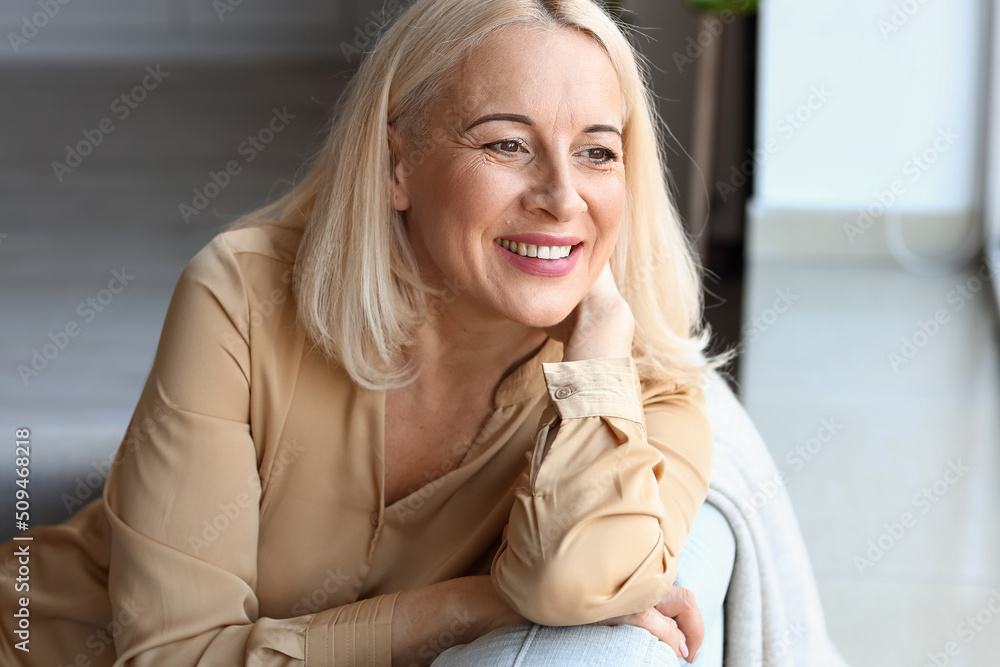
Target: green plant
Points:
x,y
718,6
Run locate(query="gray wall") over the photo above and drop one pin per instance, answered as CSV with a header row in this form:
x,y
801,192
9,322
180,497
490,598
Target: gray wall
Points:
x,y
204,31
128,30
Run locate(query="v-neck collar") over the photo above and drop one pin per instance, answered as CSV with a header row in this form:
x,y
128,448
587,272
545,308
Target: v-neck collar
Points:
x,y
523,383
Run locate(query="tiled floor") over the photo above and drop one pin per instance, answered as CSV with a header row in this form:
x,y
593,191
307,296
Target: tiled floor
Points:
x,y
899,496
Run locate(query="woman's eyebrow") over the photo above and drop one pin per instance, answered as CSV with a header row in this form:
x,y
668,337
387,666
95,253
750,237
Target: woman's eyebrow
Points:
x,y
597,129
524,120
512,117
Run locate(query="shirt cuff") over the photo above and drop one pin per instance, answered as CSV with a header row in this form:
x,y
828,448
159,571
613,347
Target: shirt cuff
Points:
x,y
605,387
353,635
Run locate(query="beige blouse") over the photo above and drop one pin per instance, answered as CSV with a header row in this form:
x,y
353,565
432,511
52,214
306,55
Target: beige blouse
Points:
x,y
243,521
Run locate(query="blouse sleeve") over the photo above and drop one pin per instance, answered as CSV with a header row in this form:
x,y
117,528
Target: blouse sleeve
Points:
x,y
183,499
613,485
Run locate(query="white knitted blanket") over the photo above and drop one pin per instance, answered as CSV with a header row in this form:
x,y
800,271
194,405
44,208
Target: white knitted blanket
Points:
x,y
773,616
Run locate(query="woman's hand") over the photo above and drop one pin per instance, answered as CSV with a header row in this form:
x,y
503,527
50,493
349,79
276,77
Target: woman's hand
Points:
x,y
674,620
601,325
428,620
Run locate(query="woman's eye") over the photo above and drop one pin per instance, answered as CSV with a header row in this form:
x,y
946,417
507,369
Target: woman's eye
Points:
x,y
600,155
507,146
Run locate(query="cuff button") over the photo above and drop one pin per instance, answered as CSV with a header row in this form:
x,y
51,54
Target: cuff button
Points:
x,y
565,392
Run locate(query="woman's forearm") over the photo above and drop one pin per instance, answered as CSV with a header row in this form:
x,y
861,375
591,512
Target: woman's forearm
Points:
x,y
428,620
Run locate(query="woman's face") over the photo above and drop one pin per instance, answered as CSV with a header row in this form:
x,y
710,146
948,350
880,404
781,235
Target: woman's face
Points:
x,y
513,203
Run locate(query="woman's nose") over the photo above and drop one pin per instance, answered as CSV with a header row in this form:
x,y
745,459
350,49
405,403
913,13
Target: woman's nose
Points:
x,y
555,192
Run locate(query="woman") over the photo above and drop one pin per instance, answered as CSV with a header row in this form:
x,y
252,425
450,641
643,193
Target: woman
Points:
x,y
442,388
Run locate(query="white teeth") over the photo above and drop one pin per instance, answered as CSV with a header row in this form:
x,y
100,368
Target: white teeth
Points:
x,y
539,251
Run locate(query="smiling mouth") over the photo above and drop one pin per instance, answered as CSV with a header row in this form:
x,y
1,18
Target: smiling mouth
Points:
x,y
531,250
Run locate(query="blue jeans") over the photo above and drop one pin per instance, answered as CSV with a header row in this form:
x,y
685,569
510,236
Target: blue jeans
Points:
x,y
706,564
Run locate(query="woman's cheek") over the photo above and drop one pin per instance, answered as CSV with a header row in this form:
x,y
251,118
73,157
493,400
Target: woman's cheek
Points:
x,y
608,220
608,194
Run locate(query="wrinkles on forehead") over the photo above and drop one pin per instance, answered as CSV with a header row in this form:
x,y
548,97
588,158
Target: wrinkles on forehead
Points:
x,y
466,87
501,77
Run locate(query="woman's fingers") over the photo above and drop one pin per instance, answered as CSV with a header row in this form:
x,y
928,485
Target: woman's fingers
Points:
x,y
675,620
662,627
680,605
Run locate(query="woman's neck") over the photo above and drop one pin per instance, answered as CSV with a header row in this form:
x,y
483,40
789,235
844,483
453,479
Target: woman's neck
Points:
x,y
460,348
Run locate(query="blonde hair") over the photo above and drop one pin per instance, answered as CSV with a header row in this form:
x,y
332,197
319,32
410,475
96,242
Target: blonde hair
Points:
x,y
363,307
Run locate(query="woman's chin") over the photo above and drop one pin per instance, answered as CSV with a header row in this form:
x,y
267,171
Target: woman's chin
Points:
x,y
540,318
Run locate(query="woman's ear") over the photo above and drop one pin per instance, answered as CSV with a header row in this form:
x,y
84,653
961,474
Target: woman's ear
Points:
x,y
400,171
